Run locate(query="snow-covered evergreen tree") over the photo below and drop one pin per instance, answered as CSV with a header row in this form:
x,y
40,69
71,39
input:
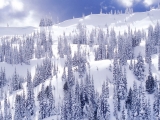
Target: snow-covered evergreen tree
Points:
x,y
150,84
139,68
30,103
43,105
123,114
51,104
17,114
129,100
15,81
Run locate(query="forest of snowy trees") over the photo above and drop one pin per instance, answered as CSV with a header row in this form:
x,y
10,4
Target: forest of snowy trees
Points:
x,y
80,98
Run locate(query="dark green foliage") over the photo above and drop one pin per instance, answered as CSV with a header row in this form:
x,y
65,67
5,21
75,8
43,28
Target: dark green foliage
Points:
x,y
65,87
129,99
150,84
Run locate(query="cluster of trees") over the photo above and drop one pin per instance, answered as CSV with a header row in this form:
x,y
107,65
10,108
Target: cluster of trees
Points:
x,y
24,107
3,79
16,82
107,42
129,11
43,45
39,45
82,101
46,102
46,22
43,72
120,49
12,54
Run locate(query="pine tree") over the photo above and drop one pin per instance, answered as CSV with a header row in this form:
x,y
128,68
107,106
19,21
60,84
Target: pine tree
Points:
x,y
42,103
122,85
70,77
115,103
123,117
51,105
20,53
17,114
82,37
54,69
50,40
82,99
115,69
156,34
156,106
159,56
105,110
4,79
150,84
49,50
99,111
129,99
77,97
22,105
148,51
75,107
142,114
91,41
112,43
110,68
65,43
63,112
139,68
60,48
129,117
15,81
148,110
5,108
134,105
1,55
42,22
81,66
30,103
64,75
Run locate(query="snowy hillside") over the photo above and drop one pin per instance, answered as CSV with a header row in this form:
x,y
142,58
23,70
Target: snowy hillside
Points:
x,y
99,67
16,30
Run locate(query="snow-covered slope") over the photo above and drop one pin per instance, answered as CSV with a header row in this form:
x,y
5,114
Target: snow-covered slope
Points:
x,y
139,20
16,30
99,69
117,20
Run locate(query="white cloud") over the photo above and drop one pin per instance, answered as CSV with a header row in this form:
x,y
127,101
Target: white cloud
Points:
x,y
3,3
17,14
17,5
126,3
129,3
29,20
150,2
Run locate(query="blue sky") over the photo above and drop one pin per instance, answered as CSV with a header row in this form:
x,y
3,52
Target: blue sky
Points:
x,y
29,12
